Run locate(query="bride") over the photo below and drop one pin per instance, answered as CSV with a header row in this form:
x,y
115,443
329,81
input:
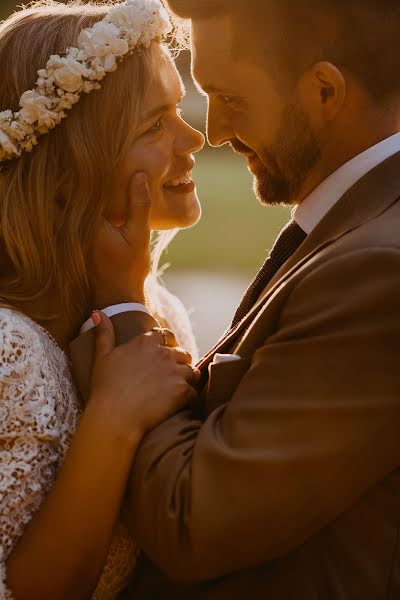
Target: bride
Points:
x,y
90,129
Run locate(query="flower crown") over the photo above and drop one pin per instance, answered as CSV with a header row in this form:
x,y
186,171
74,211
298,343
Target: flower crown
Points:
x,y
127,26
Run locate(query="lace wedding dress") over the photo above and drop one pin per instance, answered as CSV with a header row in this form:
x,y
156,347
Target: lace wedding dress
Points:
x,y
39,412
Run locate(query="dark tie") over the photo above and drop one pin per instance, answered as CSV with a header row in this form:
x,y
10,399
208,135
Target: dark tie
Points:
x,y
290,238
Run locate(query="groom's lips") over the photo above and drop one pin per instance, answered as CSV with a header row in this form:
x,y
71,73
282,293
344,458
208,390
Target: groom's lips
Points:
x,y
253,161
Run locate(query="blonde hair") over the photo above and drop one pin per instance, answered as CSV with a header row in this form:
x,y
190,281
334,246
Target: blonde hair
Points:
x,y
51,199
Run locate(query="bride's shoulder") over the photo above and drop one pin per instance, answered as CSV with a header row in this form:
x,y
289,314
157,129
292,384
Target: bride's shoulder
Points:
x,y
14,324
23,342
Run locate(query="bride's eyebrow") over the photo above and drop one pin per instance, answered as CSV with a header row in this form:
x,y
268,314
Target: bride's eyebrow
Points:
x,y
158,110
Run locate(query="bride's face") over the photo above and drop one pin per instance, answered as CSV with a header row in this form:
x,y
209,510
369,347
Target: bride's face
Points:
x,y
163,149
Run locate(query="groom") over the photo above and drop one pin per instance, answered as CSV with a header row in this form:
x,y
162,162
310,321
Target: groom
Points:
x,y
283,483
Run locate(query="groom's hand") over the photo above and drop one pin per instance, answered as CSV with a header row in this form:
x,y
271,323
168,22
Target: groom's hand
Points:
x,y
120,257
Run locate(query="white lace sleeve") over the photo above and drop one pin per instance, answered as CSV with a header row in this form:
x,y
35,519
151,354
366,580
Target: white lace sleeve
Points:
x,y
33,426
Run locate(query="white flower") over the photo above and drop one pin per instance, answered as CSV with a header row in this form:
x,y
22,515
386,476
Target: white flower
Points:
x,y
76,54
6,116
67,101
68,73
96,69
7,145
36,109
29,143
19,130
135,16
130,17
89,86
110,63
102,39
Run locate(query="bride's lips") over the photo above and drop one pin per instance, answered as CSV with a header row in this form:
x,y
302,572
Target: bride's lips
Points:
x,y
182,184
182,188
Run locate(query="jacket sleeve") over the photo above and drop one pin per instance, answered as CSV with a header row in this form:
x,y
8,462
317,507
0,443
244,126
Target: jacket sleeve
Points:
x,y
313,424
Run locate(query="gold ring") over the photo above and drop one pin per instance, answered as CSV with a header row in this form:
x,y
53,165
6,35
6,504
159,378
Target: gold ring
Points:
x,y
163,332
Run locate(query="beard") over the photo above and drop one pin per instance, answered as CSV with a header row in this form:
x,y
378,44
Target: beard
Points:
x,y
281,169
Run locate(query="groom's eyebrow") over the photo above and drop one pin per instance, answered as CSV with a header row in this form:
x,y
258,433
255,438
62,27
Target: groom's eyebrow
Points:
x,y
211,89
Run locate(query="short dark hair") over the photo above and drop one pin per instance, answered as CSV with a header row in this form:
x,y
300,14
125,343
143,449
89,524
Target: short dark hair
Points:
x,y
358,36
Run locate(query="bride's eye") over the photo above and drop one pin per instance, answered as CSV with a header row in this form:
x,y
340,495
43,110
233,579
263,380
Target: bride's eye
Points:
x,y
157,126
227,99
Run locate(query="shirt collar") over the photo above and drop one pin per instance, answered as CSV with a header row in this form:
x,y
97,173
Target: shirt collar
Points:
x,y
314,208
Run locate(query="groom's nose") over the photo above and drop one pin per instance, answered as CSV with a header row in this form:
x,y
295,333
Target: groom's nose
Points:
x,y
219,128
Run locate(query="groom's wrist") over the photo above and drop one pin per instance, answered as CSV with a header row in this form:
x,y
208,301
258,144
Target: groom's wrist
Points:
x,y
116,309
103,299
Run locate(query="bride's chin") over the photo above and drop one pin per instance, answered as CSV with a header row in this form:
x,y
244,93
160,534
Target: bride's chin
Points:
x,y
181,215
191,220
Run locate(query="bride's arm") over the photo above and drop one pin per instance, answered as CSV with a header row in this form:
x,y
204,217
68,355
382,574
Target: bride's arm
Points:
x,y
63,549
60,553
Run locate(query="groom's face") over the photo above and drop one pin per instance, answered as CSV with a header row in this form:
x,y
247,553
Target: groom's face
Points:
x,y
270,127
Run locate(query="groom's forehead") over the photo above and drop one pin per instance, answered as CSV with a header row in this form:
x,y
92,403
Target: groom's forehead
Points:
x,y
223,51
213,38
212,49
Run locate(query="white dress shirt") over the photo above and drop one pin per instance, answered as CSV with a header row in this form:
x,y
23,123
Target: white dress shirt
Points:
x,y
313,208
116,309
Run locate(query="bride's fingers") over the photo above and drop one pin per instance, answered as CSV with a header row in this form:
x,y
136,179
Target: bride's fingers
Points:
x,y
105,337
137,226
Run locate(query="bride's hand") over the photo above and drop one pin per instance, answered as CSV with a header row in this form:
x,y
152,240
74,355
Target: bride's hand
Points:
x,y
138,385
120,260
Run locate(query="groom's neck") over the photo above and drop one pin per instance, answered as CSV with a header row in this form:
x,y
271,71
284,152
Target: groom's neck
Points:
x,y
346,141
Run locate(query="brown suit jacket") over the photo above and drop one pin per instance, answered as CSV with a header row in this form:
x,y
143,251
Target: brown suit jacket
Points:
x,y
289,486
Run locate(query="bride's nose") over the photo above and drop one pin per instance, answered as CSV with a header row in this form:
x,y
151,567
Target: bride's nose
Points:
x,y
189,140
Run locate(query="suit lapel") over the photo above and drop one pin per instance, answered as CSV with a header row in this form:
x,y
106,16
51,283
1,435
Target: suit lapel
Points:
x,y
366,200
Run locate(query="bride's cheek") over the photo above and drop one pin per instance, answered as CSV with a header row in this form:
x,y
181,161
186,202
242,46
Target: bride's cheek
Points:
x,y
156,161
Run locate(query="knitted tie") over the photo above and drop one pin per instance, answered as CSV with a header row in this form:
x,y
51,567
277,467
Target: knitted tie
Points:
x,y
290,238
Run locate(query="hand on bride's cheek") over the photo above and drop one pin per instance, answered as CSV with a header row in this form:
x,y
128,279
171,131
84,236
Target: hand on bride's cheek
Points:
x,y
163,149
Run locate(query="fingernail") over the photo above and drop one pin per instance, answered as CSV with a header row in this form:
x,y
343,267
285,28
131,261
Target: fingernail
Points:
x,y
141,181
96,318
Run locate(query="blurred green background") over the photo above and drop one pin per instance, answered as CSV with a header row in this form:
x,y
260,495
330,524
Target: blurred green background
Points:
x,y
212,263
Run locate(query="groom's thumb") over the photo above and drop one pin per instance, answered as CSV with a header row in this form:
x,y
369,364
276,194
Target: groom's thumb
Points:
x,y
105,337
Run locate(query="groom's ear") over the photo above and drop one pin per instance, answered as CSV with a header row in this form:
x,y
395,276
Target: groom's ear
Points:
x,y
323,92
328,89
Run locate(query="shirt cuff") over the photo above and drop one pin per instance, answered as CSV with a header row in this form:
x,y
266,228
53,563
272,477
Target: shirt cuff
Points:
x,y
116,309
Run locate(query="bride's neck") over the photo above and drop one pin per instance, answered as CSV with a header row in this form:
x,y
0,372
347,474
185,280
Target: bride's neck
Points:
x,y
60,329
